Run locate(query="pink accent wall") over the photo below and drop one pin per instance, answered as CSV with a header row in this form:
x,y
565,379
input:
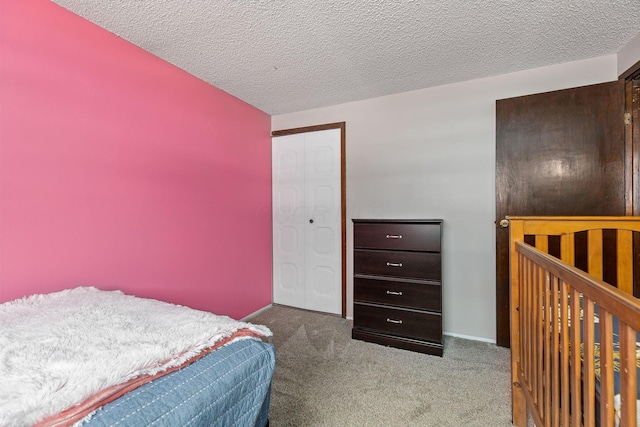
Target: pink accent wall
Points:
x,y
121,171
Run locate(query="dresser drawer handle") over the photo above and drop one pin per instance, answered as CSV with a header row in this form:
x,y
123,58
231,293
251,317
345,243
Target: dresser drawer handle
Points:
x,y
397,322
394,236
394,293
394,264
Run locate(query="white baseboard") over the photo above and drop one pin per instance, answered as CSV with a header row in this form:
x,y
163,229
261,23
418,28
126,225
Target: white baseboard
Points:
x,y
468,337
451,334
255,313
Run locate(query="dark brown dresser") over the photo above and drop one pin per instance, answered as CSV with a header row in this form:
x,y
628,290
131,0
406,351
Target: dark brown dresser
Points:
x,y
397,283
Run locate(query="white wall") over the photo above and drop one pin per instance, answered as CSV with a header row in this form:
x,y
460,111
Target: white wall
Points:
x,y
629,54
430,153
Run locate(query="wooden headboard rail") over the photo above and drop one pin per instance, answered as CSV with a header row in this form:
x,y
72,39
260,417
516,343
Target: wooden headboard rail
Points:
x,y
545,372
567,227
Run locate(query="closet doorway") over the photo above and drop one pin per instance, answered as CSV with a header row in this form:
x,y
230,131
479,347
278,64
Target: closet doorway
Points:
x,y
308,200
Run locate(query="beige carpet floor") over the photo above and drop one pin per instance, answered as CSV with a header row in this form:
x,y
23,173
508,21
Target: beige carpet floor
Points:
x,y
324,378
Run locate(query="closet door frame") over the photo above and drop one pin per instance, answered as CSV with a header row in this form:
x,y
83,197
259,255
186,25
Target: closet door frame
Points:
x,y
343,193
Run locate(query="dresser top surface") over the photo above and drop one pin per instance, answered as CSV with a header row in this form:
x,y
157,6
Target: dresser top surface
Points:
x,y
398,221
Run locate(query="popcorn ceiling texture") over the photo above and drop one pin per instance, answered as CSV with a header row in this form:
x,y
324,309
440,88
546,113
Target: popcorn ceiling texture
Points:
x,y
291,55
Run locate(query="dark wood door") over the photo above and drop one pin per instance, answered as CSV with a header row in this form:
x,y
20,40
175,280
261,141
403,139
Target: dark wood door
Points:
x,y
558,153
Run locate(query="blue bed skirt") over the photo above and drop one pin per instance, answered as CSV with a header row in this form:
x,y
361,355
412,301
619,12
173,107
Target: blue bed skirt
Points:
x,y
230,386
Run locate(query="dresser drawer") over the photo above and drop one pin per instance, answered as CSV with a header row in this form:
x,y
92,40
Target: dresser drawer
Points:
x,y
411,295
408,323
405,237
417,265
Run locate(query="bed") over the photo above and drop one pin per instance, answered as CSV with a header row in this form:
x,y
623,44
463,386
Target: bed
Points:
x,y
88,357
574,338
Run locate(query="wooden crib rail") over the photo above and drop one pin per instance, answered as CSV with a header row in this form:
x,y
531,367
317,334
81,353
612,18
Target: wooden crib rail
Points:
x,y
547,369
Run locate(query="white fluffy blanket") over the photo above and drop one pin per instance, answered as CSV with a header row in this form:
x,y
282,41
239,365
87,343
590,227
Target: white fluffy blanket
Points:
x,y
57,349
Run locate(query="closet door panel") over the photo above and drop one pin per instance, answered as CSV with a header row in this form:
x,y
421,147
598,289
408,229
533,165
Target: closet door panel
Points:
x,y
288,202
322,194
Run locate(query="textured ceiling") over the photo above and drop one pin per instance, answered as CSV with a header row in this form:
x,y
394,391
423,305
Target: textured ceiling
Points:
x,y
291,55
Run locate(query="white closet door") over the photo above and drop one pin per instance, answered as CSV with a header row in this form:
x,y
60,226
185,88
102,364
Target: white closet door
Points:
x,y
323,232
289,216
307,255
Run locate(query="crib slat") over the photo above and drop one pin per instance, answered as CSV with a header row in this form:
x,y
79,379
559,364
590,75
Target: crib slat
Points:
x,y
564,335
533,308
567,254
542,242
568,249
594,244
588,361
625,261
532,332
576,363
548,313
522,303
628,375
539,355
525,325
533,378
555,371
606,369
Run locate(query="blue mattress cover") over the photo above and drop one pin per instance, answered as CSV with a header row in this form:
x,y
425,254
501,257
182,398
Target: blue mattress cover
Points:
x,y
230,386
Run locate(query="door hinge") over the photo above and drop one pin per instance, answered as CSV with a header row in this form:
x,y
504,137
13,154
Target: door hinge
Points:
x,y
627,118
